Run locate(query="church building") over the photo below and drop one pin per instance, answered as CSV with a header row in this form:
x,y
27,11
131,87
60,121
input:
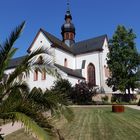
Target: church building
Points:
x,y
77,61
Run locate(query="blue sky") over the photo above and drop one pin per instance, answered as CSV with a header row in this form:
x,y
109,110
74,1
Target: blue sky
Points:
x,y
90,17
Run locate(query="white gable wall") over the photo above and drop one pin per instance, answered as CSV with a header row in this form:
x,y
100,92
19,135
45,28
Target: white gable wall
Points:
x,y
40,41
105,51
103,64
93,58
60,56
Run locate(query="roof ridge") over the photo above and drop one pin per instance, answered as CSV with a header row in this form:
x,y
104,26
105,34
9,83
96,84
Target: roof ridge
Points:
x,y
60,44
44,31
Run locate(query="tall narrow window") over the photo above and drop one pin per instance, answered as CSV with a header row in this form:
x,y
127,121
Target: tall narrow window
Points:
x,y
107,73
67,35
43,75
65,62
91,76
35,75
71,36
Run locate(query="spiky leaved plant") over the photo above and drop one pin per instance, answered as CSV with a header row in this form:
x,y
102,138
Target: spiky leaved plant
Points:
x,y
16,101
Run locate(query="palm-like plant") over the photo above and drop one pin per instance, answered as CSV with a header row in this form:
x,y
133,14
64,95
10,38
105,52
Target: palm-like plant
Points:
x,y
17,103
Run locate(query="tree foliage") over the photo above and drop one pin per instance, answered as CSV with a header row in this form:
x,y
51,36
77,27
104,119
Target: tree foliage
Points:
x,y
63,87
123,60
82,94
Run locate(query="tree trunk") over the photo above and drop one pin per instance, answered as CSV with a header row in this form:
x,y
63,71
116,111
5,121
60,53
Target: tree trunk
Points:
x,y
129,96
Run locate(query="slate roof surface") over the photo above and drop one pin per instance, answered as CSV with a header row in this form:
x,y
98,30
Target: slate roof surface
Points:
x,y
56,42
89,45
71,72
15,62
76,73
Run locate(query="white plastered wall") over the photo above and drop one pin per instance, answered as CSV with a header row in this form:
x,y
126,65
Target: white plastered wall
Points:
x,y
60,56
93,58
43,84
74,62
104,63
40,41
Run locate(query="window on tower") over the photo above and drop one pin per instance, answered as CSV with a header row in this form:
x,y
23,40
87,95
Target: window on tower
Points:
x,y
67,35
71,36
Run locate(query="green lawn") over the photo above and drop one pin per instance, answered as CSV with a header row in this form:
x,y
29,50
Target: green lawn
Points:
x,y
97,124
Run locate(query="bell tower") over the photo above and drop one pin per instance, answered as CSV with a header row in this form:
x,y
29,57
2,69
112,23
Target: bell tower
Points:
x,y
68,29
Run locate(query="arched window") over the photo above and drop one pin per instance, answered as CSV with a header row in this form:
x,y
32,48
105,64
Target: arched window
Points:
x,y
43,77
35,75
65,62
40,60
91,76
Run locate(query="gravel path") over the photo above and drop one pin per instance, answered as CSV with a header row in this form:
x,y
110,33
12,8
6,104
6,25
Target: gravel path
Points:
x,y
88,106
9,128
134,106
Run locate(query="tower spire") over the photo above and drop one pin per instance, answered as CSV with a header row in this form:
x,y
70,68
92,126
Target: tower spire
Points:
x,y
68,29
68,5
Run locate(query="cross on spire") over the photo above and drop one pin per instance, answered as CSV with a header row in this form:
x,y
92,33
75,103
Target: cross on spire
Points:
x,y
68,5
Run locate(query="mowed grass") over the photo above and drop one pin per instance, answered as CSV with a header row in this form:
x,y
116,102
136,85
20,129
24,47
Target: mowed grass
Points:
x,y
98,123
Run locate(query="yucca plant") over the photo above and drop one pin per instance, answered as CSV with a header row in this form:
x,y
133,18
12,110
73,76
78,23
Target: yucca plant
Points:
x,y
17,102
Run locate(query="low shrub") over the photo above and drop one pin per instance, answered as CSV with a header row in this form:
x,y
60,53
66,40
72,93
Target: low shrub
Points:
x,y
63,87
123,98
82,94
105,98
113,99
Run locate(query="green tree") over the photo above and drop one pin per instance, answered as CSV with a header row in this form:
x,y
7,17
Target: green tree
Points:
x,y
17,102
63,87
82,94
123,60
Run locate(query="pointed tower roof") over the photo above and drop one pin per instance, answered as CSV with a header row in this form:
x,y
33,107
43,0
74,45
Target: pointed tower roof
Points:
x,y
68,14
